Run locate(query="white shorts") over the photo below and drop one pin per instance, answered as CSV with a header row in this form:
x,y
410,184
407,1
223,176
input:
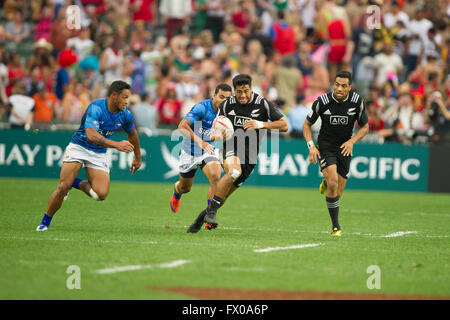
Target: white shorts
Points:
x,y
190,163
88,158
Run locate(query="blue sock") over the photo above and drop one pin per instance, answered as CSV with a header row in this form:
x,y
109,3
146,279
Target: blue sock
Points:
x,y
46,220
76,183
176,195
209,200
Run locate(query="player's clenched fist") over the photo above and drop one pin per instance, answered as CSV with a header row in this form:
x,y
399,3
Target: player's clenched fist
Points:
x,y
124,146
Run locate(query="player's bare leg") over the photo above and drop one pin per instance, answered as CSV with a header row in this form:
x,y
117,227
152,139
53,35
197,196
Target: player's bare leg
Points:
x,y
97,186
212,171
69,171
332,199
341,185
183,185
233,171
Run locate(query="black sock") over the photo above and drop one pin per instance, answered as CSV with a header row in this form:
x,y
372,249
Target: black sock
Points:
x,y
333,209
201,217
215,204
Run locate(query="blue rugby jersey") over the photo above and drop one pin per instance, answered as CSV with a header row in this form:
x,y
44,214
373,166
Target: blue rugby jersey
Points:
x,y
98,117
201,118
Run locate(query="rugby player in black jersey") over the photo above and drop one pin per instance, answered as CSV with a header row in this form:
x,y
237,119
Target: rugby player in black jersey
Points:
x,y
338,111
252,115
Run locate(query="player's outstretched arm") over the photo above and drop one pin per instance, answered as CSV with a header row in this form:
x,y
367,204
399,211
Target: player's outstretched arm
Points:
x,y
307,134
133,138
96,138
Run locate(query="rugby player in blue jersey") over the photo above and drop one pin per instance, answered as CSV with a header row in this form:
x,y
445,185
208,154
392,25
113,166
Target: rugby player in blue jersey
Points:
x,y
101,120
198,149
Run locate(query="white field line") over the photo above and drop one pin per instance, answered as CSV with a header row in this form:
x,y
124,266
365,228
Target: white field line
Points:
x,y
240,269
167,265
77,240
398,234
298,246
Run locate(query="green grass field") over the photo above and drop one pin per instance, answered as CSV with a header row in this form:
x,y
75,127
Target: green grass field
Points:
x,y
405,234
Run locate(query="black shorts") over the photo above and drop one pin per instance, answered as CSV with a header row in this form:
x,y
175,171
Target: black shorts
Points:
x,y
246,167
246,170
330,157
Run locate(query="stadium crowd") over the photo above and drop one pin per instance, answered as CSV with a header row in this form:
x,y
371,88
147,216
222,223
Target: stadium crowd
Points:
x,y
55,59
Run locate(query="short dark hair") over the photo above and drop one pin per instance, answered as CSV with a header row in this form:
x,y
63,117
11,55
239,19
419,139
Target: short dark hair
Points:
x,y
242,80
118,86
223,87
344,74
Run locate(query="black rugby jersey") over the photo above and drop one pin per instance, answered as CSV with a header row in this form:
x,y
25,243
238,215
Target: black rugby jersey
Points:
x,y
258,108
338,119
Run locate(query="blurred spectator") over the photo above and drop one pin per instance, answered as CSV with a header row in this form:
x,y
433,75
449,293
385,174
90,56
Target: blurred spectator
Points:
x,y
364,75
75,101
4,105
112,61
15,72
144,113
144,10
10,7
437,114
46,105
44,61
363,43
200,15
22,108
242,18
215,18
432,44
297,116
388,65
175,14
43,27
282,35
32,81
59,33
339,38
288,81
186,88
139,35
17,30
376,122
153,56
136,70
395,14
82,44
169,108
264,40
306,9
65,60
408,122
120,9
418,29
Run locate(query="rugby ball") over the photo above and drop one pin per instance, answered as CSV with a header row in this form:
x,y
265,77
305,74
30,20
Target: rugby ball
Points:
x,y
220,124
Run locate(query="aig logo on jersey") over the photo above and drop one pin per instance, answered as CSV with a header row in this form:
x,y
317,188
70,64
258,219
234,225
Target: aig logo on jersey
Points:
x,y
239,121
339,120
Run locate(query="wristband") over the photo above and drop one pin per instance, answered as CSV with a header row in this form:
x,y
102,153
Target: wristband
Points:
x,y
260,124
310,144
